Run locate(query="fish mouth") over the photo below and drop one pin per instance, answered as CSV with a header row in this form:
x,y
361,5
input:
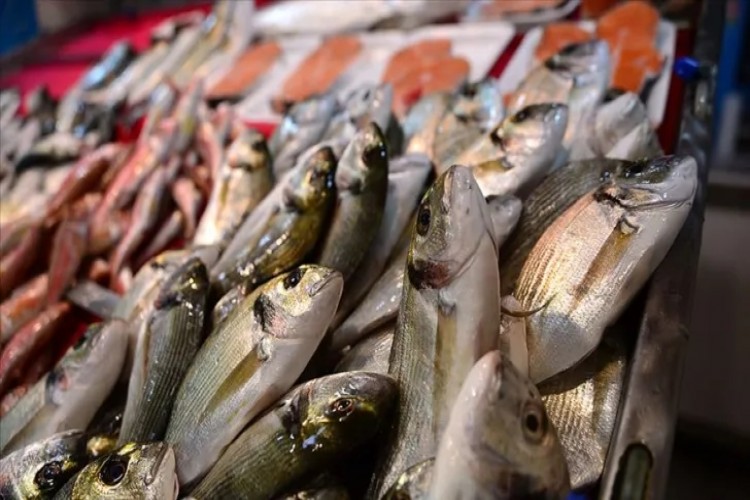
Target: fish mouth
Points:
x,y
456,178
326,282
162,455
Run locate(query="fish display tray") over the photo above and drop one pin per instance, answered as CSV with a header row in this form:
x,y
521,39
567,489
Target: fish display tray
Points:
x,y
525,20
523,61
481,45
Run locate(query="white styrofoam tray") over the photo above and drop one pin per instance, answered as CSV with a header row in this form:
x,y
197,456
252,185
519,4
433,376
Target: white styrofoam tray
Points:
x,y
523,20
481,45
523,61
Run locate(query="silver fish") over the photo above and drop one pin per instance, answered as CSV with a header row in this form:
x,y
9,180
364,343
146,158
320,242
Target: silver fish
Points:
x,y
595,257
369,103
421,124
638,144
371,353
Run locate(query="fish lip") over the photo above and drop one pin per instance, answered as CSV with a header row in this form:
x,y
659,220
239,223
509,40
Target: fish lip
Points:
x,y
320,286
162,453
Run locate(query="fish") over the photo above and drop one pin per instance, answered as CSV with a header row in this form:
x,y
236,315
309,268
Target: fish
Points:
x,y
161,104
364,105
189,200
249,361
361,186
315,425
582,405
171,228
555,194
33,336
371,353
421,123
641,142
406,179
167,344
333,492
68,250
68,396
300,128
442,327
11,398
292,230
246,71
242,182
22,306
512,342
475,109
112,63
614,119
499,442
381,304
187,115
594,258
143,65
556,36
413,483
93,298
518,153
142,471
41,469
54,149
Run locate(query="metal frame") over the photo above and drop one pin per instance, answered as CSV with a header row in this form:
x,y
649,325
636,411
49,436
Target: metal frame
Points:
x,y
637,465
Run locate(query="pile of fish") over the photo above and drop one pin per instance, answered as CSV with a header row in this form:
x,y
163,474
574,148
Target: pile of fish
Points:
x,y
359,307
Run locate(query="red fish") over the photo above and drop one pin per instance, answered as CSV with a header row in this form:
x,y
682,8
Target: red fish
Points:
x,y
189,200
15,265
25,303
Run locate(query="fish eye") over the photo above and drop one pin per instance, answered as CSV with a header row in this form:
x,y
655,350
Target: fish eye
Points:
x,y
521,116
373,153
341,408
534,423
258,146
47,477
423,220
113,470
293,279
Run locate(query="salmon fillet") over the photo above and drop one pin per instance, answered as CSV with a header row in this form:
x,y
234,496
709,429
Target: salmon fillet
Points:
x,y
557,36
246,70
320,70
421,53
444,74
499,8
636,62
634,16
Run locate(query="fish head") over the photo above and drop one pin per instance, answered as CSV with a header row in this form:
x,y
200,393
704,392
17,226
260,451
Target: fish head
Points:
x,y
510,429
479,102
249,152
187,285
314,109
577,59
365,158
298,304
344,410
42,468
132,471
662,182
370,103
451,220
314,186
536,129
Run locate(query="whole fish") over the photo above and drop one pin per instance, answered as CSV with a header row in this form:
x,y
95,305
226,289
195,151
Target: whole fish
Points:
x,y
594,258
16,264
314,426
361,187
555,194
475,109
253,357
33,336
382,302
499,442
22,306
133,471
421,123
68,251
113,63
292,230
518,153
406,180
582,405
371,353
166,347
302,127
69,396
638,144
189,200
443,326
243,180
39,470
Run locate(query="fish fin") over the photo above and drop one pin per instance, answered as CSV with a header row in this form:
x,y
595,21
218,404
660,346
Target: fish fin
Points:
x,y
235,380
525,314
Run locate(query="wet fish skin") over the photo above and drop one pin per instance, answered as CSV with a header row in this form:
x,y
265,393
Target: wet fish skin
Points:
x,y
517,154
69,396
25,303
641,142
499,442
39,470
166,347
143,471
254,356
406,179
505,211
370,354
582,405
366,104
442,328
331,415
361,187
421,123
628,225
292,230
555,194
244,179
30,338
614,119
